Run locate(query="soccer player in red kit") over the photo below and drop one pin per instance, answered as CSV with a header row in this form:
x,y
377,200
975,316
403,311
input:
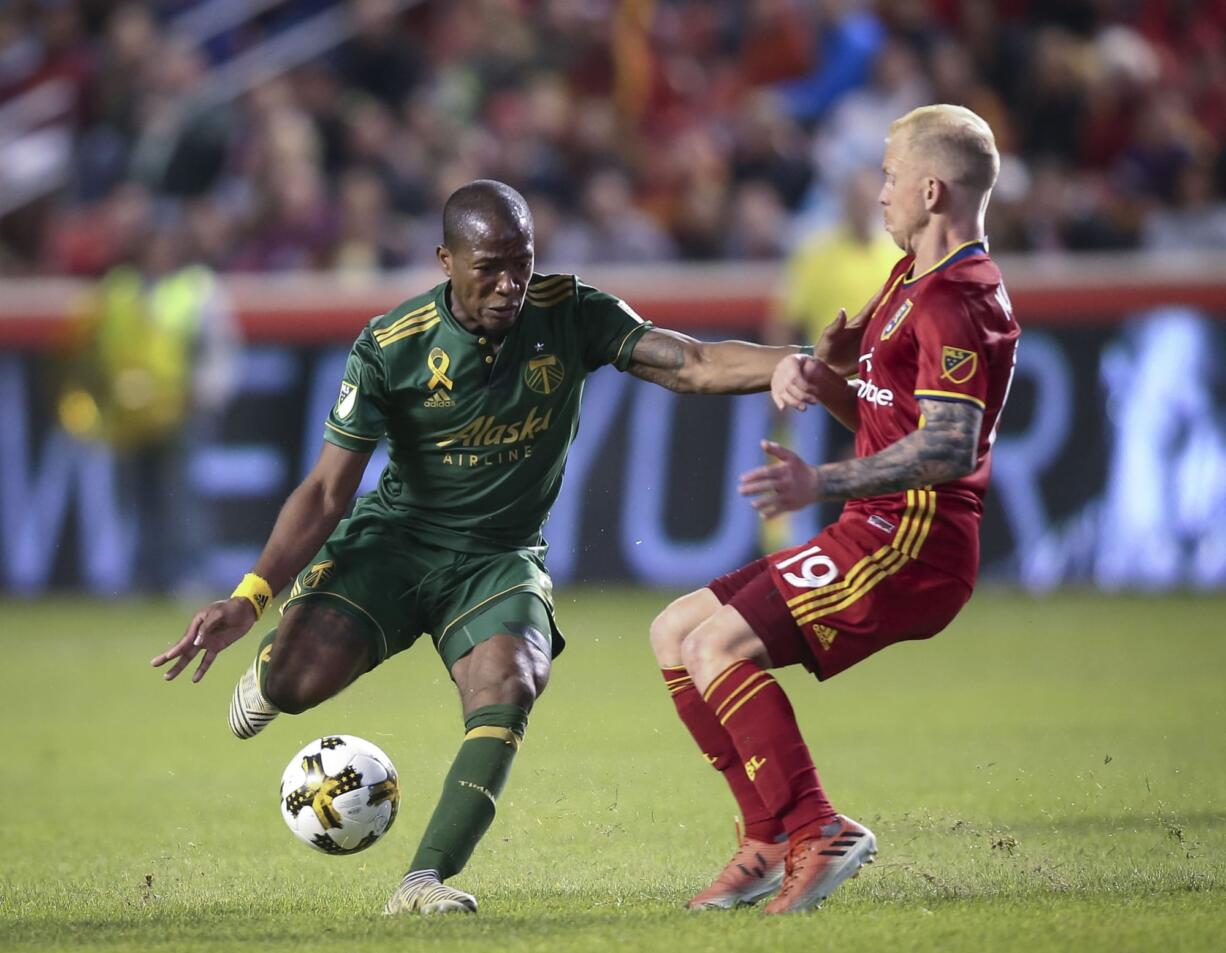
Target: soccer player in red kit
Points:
x,y
933,355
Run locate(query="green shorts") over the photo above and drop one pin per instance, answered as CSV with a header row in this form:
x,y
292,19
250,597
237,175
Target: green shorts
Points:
x,y
399,588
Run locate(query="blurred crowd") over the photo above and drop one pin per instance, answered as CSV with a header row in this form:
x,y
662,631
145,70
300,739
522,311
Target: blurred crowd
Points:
x,y
639,130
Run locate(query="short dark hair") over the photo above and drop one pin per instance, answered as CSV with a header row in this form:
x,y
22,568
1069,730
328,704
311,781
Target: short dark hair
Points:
x,y
473,208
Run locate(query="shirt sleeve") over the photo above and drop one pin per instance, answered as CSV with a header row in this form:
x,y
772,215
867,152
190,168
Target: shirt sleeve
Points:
x,y
359,417
952,360
610,329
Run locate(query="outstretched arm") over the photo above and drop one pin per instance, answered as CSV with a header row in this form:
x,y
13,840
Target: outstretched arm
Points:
x,y
305,521
944,449
684,364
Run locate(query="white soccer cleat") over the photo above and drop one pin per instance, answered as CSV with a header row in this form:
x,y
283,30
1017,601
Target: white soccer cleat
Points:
x,y
250,711
422,892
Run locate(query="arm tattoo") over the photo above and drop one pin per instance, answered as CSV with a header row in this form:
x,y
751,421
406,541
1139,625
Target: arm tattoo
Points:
x,y
660,356
944,449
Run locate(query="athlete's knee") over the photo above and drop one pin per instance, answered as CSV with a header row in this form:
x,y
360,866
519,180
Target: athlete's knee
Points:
x,y
520,681
317,653
504,670
707,651
679,618
294,691
695,652
288,692
515,688
667,632
539,667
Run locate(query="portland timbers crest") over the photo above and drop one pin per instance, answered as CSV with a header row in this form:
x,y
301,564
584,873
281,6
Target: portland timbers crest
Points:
x,y
318,574
544,374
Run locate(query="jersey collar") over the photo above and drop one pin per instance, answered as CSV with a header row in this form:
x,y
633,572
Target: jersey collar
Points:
x,y
444,306
976,247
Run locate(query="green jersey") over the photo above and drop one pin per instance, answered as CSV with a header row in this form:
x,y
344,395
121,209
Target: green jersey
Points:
x,y
477,434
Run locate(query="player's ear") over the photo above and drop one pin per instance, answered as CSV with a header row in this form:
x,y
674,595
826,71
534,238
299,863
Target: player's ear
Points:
x,y
443,254
934,192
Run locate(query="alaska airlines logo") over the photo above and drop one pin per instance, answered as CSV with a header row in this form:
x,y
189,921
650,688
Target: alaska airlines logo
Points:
x,y
488,432
544,374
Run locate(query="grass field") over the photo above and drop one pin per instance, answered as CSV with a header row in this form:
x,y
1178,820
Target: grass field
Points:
x,y
1045,775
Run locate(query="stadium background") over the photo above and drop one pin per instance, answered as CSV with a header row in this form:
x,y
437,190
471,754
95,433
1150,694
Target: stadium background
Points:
x,y
675,153
1045,775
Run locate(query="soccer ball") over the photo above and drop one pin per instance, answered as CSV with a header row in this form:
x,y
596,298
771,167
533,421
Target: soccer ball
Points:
x,y
339,794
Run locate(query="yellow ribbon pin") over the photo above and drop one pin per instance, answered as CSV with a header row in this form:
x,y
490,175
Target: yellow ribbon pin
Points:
x,y
438,362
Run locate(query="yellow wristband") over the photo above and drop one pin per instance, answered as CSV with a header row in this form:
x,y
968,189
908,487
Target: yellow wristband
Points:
x,y
256,590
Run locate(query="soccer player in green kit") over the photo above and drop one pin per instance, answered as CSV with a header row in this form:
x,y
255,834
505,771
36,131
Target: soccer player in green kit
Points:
x,y
477,386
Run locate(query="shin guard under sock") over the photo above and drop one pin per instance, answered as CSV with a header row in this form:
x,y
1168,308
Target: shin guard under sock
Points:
x,y
751,706
465,809
720,753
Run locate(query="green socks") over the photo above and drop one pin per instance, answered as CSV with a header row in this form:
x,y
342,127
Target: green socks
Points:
x,y
262,655
477,776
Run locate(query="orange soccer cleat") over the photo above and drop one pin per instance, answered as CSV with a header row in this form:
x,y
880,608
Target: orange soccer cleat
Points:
x,y
816,866
756,869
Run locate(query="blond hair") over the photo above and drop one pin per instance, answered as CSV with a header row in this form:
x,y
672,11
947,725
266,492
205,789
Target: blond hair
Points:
x,y
957,141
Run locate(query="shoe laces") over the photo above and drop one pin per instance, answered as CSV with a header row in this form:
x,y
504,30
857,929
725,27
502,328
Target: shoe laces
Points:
x,y
796,858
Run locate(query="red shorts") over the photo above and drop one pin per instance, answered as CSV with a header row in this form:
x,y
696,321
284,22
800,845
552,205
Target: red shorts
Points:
x,y
839,598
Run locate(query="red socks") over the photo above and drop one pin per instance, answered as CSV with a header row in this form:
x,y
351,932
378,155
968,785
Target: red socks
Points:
x,y
717,748
756,716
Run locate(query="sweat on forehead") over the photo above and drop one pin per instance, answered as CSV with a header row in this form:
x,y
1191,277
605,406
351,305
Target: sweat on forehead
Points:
x,y
482,208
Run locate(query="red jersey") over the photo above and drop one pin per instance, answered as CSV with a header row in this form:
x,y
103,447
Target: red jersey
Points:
x,y
947,334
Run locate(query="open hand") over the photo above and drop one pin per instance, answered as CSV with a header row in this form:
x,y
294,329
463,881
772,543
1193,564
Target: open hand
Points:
x,y
214,627
839,346
779,487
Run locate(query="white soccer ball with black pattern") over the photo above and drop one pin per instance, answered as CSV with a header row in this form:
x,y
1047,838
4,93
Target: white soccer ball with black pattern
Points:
x,y
340,794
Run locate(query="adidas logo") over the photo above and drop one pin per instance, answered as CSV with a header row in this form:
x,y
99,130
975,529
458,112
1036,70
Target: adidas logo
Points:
x,y
825,634
440,398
